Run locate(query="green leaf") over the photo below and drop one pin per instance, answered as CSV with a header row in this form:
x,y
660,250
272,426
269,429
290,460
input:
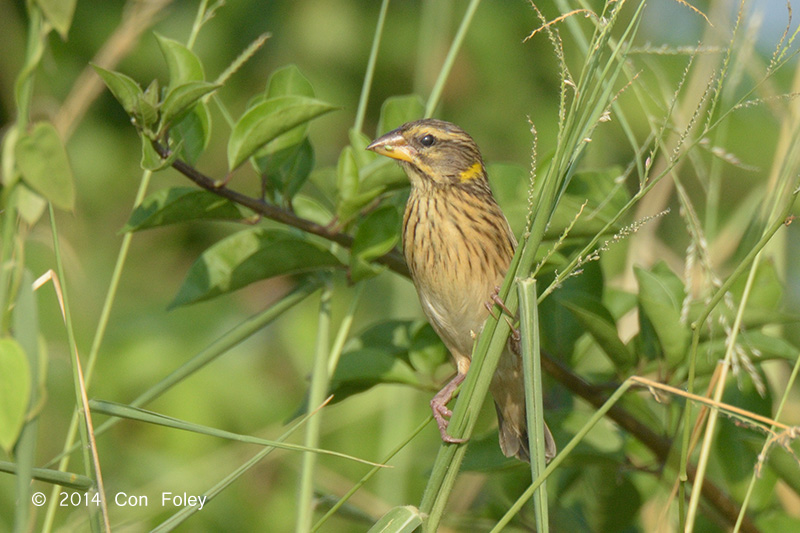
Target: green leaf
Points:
x,y
288,81
737,445
42,161
249,256
351,200
192,133
381,354
761,346
8,173
59,14
559,327
183,64
15,390
347,174
30,205
616,502
311,209
398,520
770,291
484,454
125,89
660,299
619,302
285,171
146,112
152,160
376,236
298,169
768,346
265,121
152,95
397,110
509,184
381,175
646,342
360,370
593,315
359,142
393,336
785,466
426,352
182,98
777,520
394,351
181,204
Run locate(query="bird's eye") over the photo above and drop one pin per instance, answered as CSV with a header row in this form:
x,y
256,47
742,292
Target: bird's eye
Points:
x,y
428,140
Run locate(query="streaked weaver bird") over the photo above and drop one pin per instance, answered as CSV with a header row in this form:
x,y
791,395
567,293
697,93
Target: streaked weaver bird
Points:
x,y
458,246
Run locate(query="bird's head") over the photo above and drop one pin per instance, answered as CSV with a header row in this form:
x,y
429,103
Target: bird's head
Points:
x,y
433,153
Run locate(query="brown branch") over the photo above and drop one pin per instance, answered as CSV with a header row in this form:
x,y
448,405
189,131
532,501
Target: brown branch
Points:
x,y
658,444
393,260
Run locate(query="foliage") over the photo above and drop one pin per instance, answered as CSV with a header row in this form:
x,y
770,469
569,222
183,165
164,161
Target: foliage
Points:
x,y
653,275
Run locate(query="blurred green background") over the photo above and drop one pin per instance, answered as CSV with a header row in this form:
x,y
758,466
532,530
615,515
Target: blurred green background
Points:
x,y
497,85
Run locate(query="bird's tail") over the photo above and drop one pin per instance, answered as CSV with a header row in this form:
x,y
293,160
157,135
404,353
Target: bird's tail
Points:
x,y
508,391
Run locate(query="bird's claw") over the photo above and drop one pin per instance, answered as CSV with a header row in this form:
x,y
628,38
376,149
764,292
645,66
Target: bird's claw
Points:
x,y
442,414
440,411
495,299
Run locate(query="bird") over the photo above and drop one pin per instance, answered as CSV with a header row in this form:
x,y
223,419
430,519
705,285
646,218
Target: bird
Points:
x,y
458,245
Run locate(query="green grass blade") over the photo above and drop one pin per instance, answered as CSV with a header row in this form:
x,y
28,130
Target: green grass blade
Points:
x,y
150,417
70,480
403,519
370,474
444,73
320,380
220,346
373,59
26,332
181,516
596,417
532,369
90,458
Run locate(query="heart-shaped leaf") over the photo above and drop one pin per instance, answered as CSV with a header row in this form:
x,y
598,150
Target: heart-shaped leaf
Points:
x,y
43,163
15,390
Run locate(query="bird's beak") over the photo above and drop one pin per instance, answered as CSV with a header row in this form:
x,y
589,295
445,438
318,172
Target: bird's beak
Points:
x,y
393,145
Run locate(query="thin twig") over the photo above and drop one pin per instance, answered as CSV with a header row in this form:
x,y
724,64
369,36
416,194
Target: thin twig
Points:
x,y
393,260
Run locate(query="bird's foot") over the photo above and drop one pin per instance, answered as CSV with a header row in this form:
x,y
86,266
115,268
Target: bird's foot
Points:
x,y
495,299
440,411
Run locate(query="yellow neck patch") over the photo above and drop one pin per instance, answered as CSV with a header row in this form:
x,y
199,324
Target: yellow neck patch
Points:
x,y
472,172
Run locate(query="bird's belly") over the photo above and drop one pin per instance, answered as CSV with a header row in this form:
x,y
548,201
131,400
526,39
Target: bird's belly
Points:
x,y
454,271
457,316
453,294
